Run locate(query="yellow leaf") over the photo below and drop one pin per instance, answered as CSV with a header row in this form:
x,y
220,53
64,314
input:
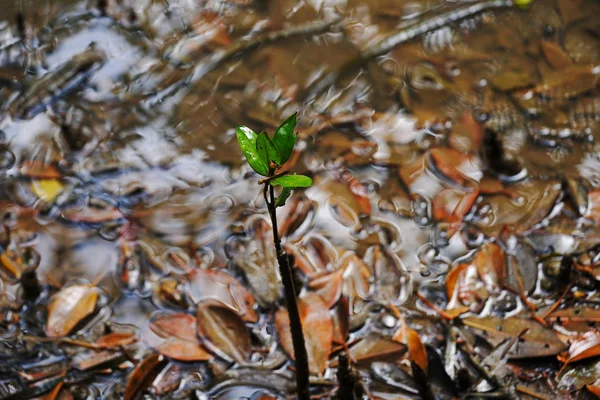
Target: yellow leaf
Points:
x,y
47,189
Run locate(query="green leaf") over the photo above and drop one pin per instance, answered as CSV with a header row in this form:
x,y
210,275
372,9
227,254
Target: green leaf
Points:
x,y
292,181
247,140
280,200
284,138
266,149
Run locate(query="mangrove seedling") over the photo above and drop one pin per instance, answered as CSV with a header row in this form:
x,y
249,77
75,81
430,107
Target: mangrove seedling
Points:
x,y
266,156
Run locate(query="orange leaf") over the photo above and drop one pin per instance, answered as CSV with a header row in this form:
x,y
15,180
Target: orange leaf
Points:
x,y
180,330
69,307
223,332
116,339
586,346
376,348
179,325
183,350
452,278
595,390
416,349
329,287
211,284
142,375
317,326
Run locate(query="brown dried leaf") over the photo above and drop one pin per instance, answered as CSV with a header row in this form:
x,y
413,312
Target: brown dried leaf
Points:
x,y
69,307
416,348
537,341
84,361
586,346
223,332
143,374
555,55
179,325
183,350
116,339
211,284
317,326
180,330
375,347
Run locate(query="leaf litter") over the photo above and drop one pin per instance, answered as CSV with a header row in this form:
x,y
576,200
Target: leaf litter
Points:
x,y
449,244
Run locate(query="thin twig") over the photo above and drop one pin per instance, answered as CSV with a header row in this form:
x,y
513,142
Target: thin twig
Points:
x,y
274,176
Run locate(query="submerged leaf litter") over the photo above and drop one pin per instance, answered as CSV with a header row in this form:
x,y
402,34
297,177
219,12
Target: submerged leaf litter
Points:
x,y
450,243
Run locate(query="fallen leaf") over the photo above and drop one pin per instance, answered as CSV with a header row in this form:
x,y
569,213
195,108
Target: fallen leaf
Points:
x,y
375,347
85,361
182,350
586,346
317,325
555,55
223,332
69,307
537,341
116,339
47,189
595,390
211,284
416,349
179,325
182,343
143,374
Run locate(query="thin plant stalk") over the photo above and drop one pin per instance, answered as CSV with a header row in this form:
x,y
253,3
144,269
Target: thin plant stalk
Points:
x,y
285,270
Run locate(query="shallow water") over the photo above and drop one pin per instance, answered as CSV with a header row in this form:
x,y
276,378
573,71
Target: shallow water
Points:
x,y
460,166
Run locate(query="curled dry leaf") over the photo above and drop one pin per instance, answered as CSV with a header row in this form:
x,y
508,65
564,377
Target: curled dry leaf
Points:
x,y
537,341
416,349
586,346
180,332
217,285
350,279
69,307
223,332
317,325
143,375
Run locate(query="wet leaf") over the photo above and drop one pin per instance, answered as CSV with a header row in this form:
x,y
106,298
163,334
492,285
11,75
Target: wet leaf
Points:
x,y
223,332
183,350
586,346
511,80
317,326
375,347
247,140
85,361
292,181
180,331
47,189
181,326
285,139
212,284
266,150
143,374
116,339
416,350
595,390
555,55
69,307
537,341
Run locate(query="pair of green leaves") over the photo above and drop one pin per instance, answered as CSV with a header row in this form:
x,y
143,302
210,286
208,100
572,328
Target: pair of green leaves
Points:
x,y
265,155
